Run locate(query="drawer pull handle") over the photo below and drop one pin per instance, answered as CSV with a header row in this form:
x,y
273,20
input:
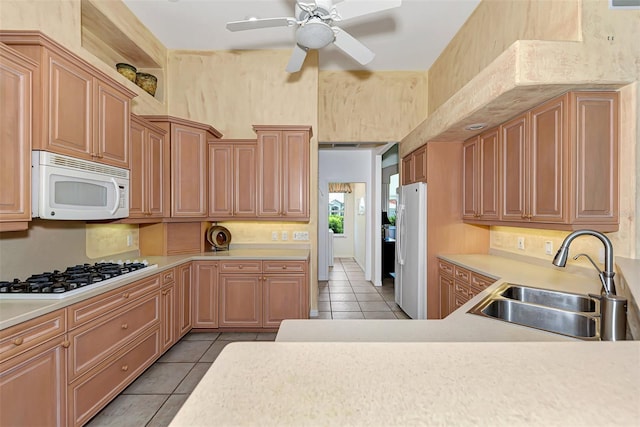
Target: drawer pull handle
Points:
x,y
125,326
125,295
18,341
125,368
66,344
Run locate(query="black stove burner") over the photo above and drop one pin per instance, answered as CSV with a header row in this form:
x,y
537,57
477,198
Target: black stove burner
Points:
x,y
72,278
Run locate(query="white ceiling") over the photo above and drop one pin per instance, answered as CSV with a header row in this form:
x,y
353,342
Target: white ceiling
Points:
x,y
410,37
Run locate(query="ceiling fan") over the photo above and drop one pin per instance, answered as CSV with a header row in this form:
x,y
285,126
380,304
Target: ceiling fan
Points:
x,y
316,27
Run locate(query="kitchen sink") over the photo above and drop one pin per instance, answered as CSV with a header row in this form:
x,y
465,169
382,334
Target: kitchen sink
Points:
x,y
549,298
569,314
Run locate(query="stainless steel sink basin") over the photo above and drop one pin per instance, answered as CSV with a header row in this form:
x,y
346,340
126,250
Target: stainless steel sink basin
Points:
x,y
548,319
549,298
563,313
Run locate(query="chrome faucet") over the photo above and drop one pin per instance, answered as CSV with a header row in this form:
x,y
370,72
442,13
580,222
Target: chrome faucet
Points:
x,y
606,276
613,308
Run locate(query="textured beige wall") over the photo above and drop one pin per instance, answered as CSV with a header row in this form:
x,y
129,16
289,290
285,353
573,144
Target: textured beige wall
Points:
x,y
104,240
233,90
490,30
376,107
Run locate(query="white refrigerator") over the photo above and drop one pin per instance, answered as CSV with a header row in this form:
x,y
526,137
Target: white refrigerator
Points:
x,y
411,250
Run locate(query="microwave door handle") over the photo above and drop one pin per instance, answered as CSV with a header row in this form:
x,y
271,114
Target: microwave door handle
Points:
x,y
116,205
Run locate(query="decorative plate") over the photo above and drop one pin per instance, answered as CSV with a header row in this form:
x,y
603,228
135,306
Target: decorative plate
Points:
x,y
219,238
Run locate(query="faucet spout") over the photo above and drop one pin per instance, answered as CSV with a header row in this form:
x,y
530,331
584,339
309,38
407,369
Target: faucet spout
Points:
x,y
560,260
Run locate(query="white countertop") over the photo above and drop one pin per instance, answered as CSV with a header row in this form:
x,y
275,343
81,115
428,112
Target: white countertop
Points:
x,y
402,384
16,311
462,370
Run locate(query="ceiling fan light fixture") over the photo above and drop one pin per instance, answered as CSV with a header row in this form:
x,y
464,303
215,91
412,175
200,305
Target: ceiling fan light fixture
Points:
x,y
314,34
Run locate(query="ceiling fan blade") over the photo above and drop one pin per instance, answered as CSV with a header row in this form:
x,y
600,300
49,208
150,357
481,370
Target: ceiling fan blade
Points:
x,y
297,59
352,47
252,24
353,8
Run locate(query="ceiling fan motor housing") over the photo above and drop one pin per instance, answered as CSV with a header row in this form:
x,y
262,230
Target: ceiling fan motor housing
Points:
x,y
322,8
314,34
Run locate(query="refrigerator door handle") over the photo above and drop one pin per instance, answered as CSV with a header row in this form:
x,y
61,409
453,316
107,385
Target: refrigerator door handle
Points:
x,y
400,229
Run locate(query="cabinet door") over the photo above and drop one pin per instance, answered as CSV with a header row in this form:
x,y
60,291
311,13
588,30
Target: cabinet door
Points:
x,y
221,180
594,157
295,174
184,299
244,180
37,377
205,295
112,126
168,313
137,173
15,138
157,175
548,162
488,184
470,180
240,300
446,295
407,170
514,170
188,172
282,296
420,165
269,166
70,109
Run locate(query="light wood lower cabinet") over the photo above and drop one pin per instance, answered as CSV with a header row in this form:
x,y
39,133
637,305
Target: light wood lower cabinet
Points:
x,y
184,300
33,374
458,285
113,338
205,294
168,306
249,294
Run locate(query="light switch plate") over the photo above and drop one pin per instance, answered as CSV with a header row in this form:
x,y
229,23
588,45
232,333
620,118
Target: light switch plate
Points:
x,y
285,235
521,243
274,235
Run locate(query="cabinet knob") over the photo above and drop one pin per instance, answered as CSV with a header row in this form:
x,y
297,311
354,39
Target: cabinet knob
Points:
x,y
284,267
18,341
125,368
66,344
240,267
125,326
165,292
125,295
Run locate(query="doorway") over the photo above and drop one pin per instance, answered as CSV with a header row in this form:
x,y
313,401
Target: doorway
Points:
x,y
347,219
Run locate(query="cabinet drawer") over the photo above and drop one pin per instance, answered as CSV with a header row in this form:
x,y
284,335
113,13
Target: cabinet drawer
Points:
x,y
92,392
461,289
241,266
481,282
462,274
24,336
90,309
110,332
445,268
169,276
283,266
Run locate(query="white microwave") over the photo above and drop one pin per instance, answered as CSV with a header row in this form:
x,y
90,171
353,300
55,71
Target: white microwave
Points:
x,y
64,187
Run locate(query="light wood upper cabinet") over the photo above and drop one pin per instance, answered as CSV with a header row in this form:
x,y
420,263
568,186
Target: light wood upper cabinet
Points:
x,y
558,166
283,172
232,179
414,166
78,110
16,73
480,170
149,174
189,173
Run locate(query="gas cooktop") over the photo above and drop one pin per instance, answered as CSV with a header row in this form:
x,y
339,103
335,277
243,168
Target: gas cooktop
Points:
x,y
74,280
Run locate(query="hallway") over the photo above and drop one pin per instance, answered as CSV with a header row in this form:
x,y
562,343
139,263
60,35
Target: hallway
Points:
x,y
347,295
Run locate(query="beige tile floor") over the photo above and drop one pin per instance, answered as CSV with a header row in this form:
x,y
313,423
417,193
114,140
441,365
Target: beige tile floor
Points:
x,y
157,395
347,295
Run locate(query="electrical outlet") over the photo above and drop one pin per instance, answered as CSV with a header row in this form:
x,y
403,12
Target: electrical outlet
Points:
x,y
521,243
548,247
285,235
129,240
274,235
301,235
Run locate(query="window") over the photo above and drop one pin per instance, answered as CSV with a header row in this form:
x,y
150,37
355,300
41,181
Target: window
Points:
x,y
392,203
336,212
